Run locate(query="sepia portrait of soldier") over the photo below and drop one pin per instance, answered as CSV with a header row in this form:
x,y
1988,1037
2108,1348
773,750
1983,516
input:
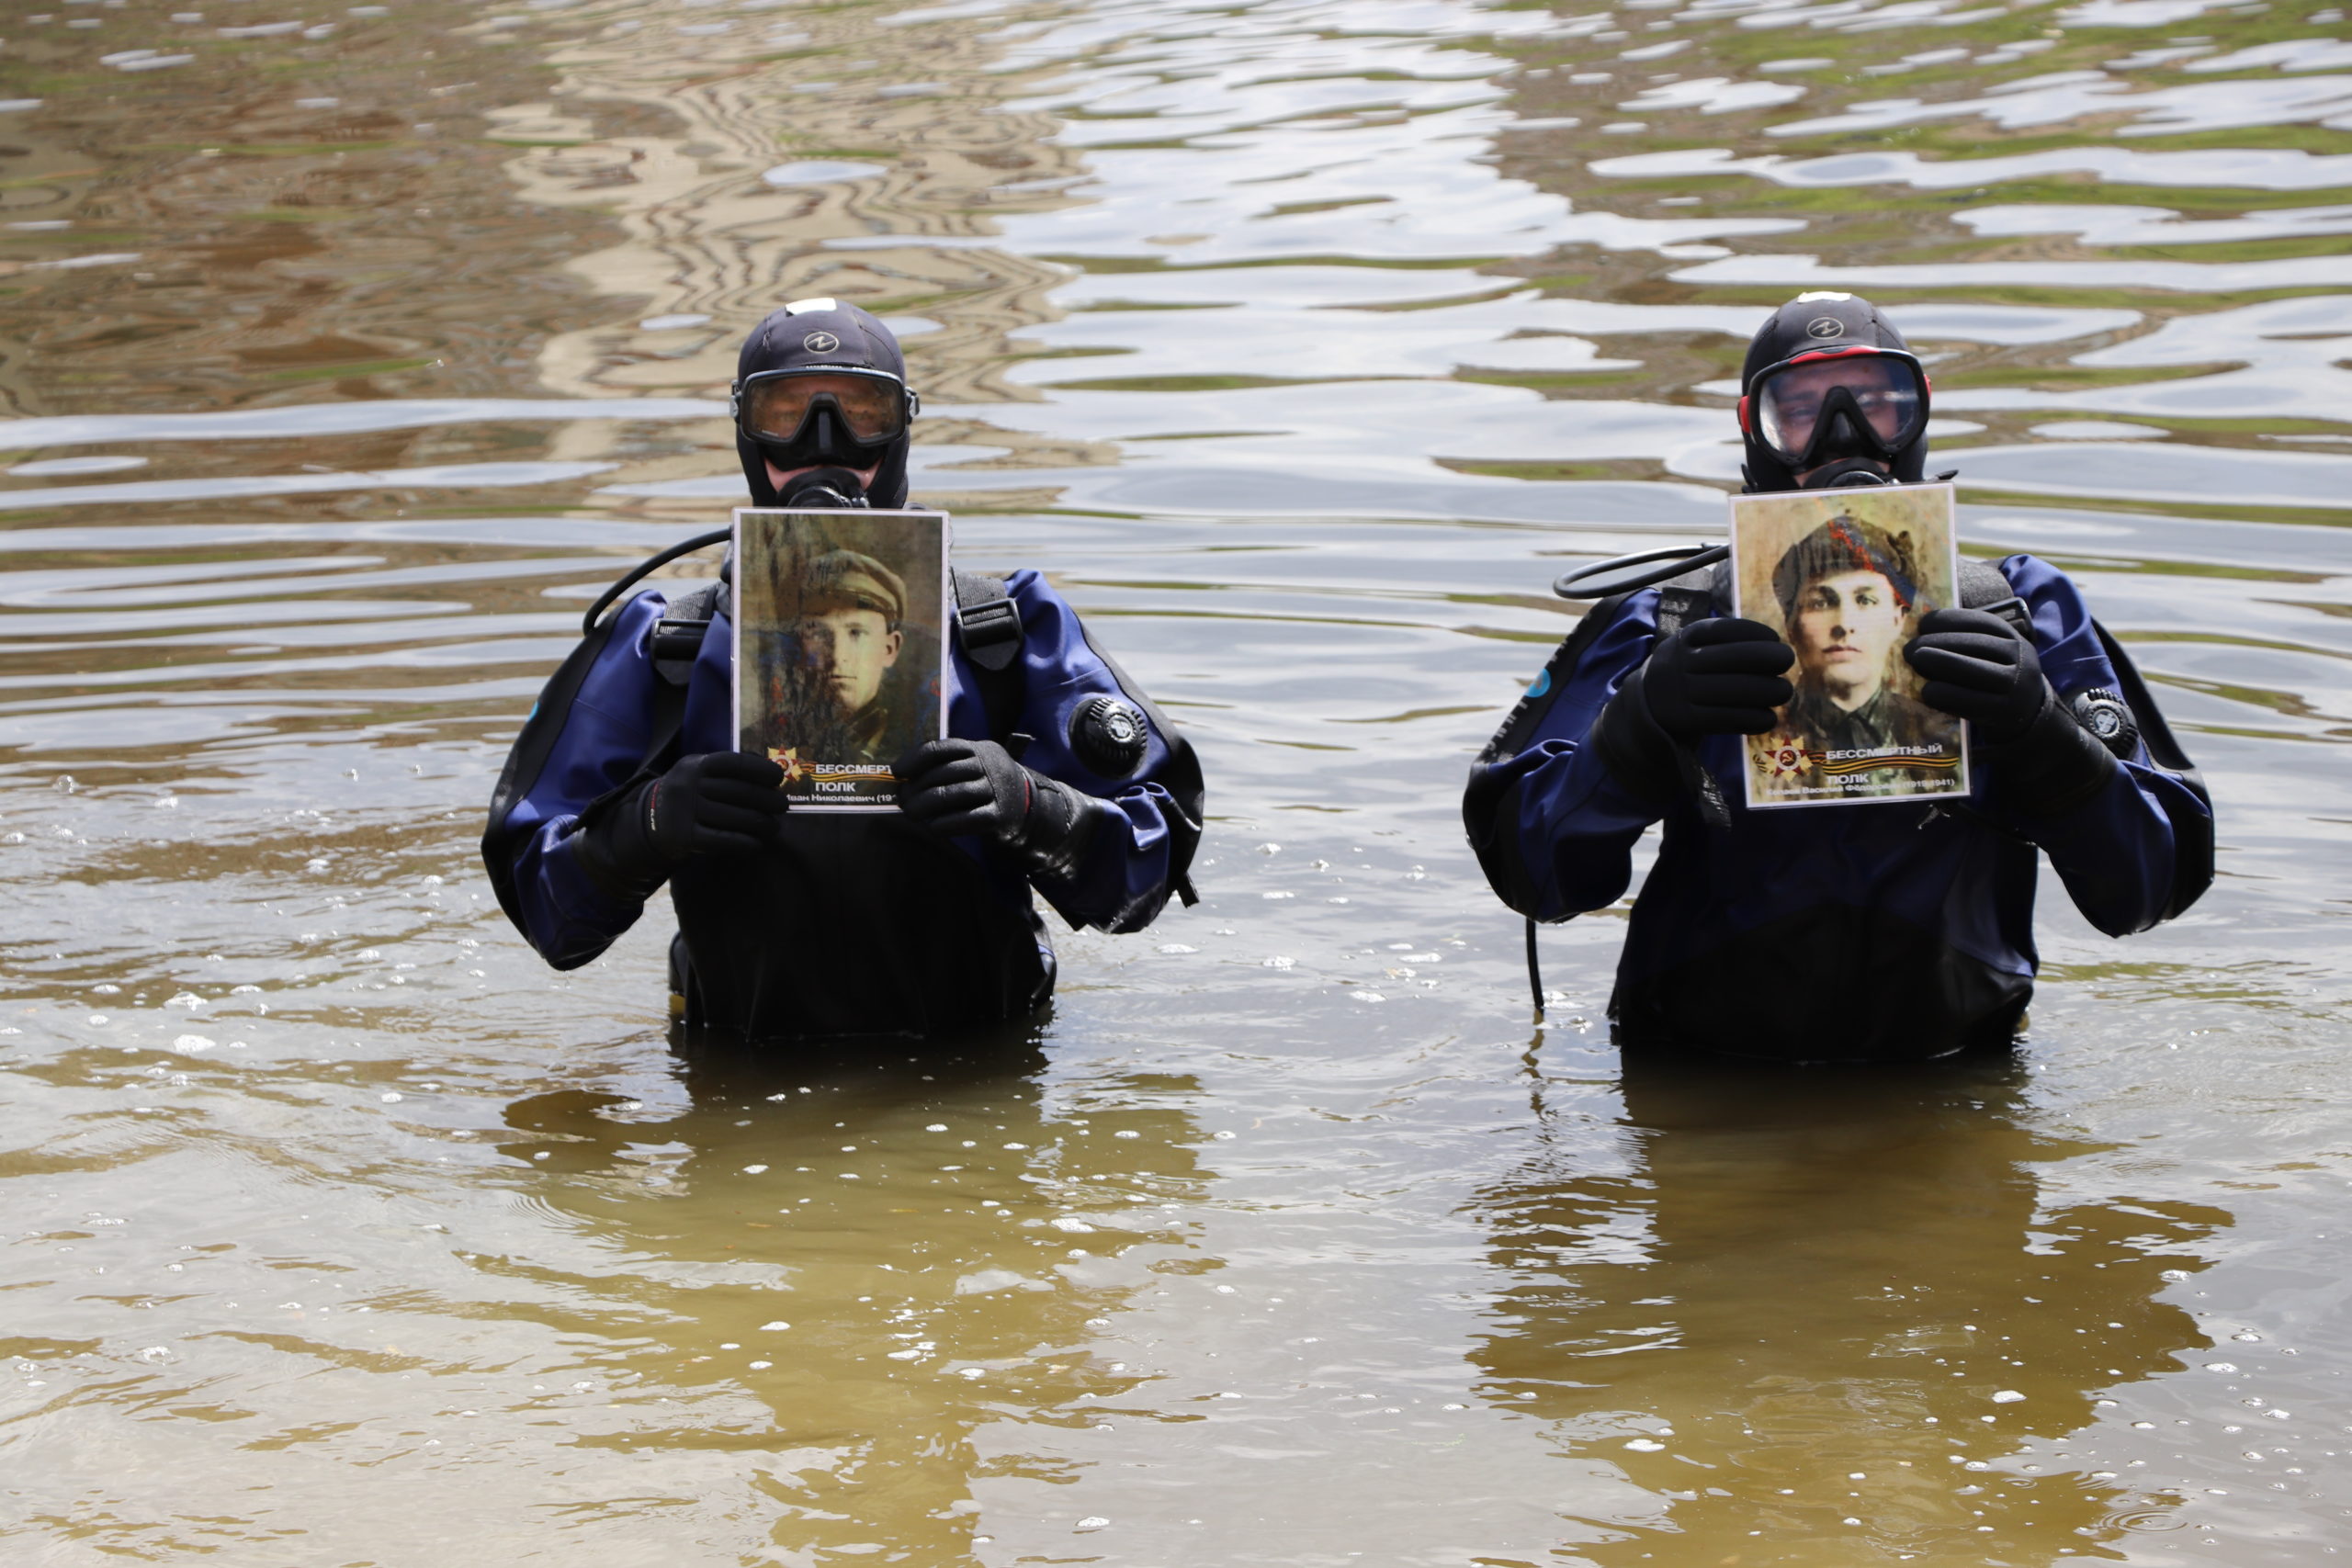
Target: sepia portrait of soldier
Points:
x,y
847,638
1849,599
830,663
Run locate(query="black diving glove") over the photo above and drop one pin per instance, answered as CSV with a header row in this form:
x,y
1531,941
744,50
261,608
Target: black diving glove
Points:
x,y
955,787
1979,667
1721,676
728,803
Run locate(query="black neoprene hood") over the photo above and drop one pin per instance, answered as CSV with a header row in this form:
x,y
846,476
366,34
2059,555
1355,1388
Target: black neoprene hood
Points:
x,y
816,335
1813,321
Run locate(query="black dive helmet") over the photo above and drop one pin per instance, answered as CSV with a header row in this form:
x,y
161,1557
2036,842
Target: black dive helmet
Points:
x,y
795,429
1842,435
778,422
1837,429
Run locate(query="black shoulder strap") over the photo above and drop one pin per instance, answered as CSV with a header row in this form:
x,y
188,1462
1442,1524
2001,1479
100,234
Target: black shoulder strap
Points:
x,y
677,636
1982,587
987,623
988,618
1693,596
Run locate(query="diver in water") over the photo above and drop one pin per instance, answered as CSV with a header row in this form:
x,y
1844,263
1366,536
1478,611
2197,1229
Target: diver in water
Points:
x,y
1058,776
1863,934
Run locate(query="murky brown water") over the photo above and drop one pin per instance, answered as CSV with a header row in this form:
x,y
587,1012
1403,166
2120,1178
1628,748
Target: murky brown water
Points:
x,y
347,352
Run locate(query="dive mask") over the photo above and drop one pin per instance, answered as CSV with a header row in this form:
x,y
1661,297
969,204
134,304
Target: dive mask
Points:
x,y
1848,407
824,416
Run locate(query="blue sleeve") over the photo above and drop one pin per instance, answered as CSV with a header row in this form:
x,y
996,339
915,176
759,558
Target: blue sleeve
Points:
x,y
1143,849
1552,827
2116,851
601,736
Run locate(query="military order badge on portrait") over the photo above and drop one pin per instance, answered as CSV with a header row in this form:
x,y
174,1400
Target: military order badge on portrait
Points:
x,y
1845,576
840,647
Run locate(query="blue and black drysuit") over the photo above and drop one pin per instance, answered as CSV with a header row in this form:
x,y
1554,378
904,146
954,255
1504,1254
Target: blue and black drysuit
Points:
x,y
1874,931
855,923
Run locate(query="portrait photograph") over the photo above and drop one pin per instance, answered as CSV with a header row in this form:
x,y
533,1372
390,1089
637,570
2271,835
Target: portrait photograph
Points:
x,y
1845,576
840,620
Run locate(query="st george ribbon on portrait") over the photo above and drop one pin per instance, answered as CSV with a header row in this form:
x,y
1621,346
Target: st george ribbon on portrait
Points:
x,y
841,640
1845,576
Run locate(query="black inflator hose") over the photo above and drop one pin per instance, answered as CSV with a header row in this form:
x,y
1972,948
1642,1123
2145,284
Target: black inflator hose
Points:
x,y
604,600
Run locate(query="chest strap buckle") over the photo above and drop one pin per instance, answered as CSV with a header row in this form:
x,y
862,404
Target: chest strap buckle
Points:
x,y
991,632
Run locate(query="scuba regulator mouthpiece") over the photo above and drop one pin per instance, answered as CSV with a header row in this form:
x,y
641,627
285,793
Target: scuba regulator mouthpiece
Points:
x,y
823,490
1848,473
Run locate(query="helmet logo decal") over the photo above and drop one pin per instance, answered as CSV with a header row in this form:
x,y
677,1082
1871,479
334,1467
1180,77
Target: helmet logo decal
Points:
x,y
1824,327
820,343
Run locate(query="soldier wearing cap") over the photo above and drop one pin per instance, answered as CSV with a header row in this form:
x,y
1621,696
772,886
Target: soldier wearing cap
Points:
x,y
1846,594
828,682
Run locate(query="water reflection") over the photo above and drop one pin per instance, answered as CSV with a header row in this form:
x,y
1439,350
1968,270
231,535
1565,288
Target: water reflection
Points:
x,y
1818,1313
843,1267
1305,342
